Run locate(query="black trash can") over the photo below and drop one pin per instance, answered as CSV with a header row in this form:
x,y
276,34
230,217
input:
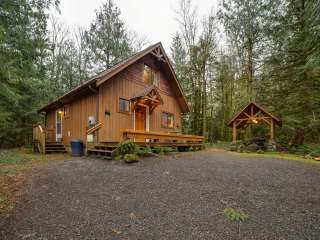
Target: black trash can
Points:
x,y
77,148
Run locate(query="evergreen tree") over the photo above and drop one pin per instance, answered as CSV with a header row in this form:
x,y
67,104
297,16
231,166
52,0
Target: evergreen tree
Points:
x,y
22,51
108,38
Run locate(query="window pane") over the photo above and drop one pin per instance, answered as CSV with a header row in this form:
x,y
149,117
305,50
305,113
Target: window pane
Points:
x,y
170,121
156,79
167,120
150,76
164,120
66,111
124,105
147,74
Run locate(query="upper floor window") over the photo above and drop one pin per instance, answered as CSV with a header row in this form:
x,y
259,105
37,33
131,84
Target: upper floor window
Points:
x,y
150,76
124,105
167,120
66,111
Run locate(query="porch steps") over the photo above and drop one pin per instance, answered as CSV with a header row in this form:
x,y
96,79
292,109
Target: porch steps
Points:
x,y
106,151
55,147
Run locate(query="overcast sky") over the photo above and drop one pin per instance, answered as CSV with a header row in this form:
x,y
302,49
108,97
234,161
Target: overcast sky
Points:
x,y
155,19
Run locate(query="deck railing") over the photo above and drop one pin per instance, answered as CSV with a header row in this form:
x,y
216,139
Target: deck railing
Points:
x,y
160,136
41,135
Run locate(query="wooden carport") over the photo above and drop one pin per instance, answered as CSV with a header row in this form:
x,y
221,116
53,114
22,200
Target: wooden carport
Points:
x,y
253,114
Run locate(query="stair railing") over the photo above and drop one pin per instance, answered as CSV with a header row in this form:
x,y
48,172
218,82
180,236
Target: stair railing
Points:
x,y
39,136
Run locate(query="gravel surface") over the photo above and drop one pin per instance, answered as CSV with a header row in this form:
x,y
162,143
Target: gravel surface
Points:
x,y
172,197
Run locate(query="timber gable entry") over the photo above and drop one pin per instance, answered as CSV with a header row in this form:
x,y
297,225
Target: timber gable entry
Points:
x,y
253,114
149,96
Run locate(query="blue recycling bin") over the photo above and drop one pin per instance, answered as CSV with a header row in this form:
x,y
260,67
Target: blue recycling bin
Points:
x,y
77,148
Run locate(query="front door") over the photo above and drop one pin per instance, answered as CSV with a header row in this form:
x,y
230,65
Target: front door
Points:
x,y
58,126
140,118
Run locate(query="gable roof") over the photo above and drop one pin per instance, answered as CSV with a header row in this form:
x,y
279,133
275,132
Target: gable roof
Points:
x,y
107,74
259,108
145,91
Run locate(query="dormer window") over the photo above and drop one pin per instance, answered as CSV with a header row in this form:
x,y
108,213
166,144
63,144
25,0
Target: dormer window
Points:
x,y
150,76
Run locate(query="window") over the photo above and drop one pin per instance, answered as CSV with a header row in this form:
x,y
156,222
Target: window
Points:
x,y
150,76
167,120
66,111
124,105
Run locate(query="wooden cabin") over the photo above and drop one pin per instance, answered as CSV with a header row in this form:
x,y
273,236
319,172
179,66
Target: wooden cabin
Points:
x,y
139,98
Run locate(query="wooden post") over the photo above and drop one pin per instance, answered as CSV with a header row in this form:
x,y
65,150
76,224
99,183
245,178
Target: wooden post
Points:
x,y
234,132
272,130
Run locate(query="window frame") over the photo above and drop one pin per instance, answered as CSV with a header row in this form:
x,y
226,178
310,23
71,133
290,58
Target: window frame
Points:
x,y
167,113
154,78
119,108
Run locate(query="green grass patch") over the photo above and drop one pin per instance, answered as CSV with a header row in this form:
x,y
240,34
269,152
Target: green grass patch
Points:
x,y
13,157
280,155
218,144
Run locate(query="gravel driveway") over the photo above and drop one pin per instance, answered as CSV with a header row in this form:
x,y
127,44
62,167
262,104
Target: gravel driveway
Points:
x,y
173,197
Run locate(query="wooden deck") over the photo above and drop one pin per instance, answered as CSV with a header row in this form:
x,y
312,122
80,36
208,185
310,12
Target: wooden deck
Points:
x,y
182,142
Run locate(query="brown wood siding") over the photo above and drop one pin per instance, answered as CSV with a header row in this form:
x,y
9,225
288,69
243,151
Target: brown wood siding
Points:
x,y
77,122
170,105
125,85
51,119
74,126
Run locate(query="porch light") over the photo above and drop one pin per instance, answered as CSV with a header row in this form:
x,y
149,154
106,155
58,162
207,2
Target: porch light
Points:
x,y
254,121
60,112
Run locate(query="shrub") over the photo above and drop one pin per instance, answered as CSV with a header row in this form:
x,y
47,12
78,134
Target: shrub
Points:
x,y
127,147
241,148
315,152
301,150
167,149
145,152
157,150
235,215
233,147
130,158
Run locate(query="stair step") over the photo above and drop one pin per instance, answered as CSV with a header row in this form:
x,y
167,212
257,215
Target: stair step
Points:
x,y
100,153
102,147
54,146
56,151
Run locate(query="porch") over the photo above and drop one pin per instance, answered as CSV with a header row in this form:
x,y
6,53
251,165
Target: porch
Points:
x,y
182,142
44,140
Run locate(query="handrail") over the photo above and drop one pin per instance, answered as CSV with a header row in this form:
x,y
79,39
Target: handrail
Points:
x,y
132,134
94,128
40,136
